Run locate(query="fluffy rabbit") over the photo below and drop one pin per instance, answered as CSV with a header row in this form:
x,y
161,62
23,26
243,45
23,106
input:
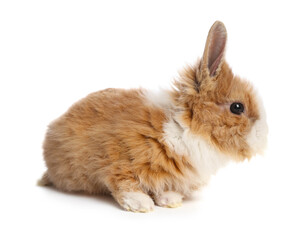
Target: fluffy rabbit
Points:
x,y
146,148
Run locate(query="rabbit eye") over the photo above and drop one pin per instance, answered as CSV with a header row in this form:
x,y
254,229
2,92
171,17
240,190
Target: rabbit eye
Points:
x,y
237,108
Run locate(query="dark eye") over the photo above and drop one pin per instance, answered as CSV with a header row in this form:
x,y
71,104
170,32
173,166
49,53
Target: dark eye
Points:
x,y
237,108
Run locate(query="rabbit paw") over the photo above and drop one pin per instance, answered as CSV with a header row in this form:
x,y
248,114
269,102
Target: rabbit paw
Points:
x,y
169,199
137,202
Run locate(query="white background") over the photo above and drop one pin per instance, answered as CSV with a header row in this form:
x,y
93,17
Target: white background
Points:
x,y
53,53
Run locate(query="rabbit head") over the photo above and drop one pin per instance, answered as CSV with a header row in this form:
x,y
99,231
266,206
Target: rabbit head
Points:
x,y
218,105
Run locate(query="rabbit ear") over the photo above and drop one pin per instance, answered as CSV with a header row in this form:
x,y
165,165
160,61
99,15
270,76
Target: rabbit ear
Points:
x,y
214,49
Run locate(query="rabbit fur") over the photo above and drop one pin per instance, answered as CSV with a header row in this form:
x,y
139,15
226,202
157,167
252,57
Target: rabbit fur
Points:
x,y
147,147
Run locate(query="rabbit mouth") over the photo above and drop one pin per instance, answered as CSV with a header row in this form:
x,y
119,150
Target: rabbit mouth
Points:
x,y
257,138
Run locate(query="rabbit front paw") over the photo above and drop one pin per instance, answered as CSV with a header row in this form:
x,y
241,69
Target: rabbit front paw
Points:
x,y
137,202
169,199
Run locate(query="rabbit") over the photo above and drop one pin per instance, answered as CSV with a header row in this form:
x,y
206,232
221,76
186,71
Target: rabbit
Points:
x,y
150,148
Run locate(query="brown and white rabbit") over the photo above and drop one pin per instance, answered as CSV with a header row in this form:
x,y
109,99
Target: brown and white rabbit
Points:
x,y
145,147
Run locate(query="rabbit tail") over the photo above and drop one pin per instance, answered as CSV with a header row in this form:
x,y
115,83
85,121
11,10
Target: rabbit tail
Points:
x,y
44,181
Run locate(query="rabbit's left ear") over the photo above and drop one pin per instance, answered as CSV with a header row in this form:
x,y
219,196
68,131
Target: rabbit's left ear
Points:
x,y
214,50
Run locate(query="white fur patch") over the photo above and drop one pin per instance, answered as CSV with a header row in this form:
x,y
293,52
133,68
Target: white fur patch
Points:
x,y
257,138
203,156
169,199
137,202
160,99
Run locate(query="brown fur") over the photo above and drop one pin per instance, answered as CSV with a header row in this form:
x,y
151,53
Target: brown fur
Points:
x,y
113,140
